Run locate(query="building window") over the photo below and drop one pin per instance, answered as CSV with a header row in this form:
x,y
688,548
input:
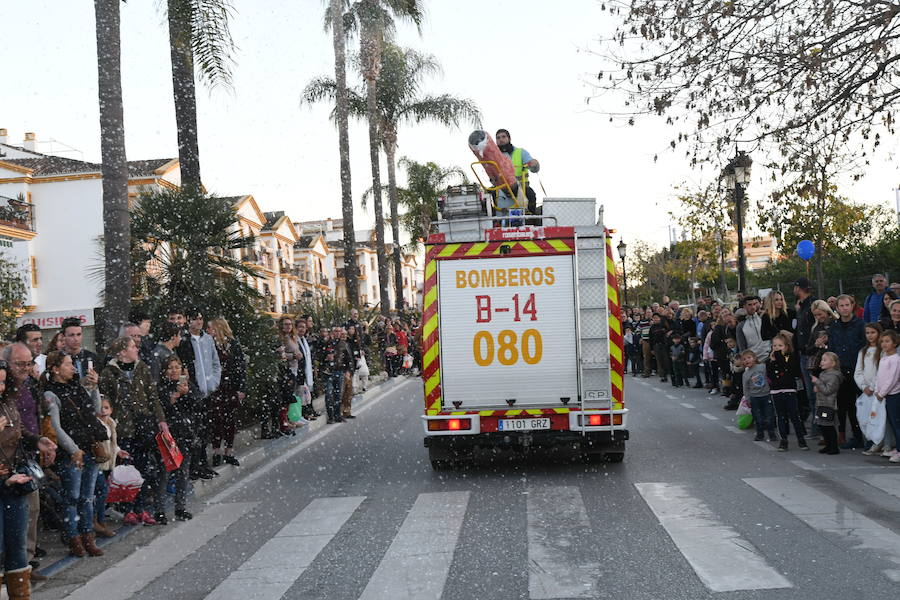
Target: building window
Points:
x,y
372,262
374,291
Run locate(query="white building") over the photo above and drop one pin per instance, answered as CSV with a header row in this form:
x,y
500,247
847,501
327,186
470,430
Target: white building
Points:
x,y
54,225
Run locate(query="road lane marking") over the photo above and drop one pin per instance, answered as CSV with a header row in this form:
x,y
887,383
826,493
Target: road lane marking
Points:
x,y
656,389
889,483
686,405
703,541
274,568
805,465
288,454
825,514
418,561
557,567
140,568
672,397
733,429
766,445
709,416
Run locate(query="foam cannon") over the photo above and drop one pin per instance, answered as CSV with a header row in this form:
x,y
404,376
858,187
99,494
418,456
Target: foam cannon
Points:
x,y
499,169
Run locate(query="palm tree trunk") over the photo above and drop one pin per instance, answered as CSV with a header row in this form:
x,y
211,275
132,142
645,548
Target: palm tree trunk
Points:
x,y
116,222
351,269
390,150
376,203
184,90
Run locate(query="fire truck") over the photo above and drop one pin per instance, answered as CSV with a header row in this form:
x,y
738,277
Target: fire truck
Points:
x,y
521,340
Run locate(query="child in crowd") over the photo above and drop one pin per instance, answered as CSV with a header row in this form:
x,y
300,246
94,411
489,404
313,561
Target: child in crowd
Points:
x,y
101,489
180,405
694,357
865,376
783,369
826,385
756,390
887,386
679,361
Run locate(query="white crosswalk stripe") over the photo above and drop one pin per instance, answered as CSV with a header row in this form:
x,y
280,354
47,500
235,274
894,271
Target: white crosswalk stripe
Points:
x,y
553,573
703,540
274,568
418,561
888,482
824,513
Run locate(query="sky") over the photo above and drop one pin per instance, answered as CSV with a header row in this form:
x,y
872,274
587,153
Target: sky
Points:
x,y
526,64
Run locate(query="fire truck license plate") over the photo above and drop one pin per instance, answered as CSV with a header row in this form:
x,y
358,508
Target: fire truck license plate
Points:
x,y
523,424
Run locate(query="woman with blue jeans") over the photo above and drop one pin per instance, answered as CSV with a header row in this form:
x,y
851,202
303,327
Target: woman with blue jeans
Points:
x,y
14,442
73,413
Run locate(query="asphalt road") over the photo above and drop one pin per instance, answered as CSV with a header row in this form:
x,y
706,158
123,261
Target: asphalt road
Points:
x,y
696,510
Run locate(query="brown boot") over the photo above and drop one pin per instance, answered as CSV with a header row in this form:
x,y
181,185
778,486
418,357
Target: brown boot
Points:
x,y
102,530
90,545
18,584
76,547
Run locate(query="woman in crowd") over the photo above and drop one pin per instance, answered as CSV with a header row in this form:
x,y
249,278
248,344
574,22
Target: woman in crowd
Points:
x,y
288,377
726,327
73,411
891,322
777,316
15,445
815,347
232,391
55,344
686,325
126,382
402,345
390,350
180,405
354,342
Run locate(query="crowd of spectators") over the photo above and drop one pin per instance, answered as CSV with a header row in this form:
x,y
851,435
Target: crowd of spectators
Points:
x,y
799,362
69,416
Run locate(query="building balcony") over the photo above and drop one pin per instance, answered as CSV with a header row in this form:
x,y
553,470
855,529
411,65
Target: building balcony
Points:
x,y
16,218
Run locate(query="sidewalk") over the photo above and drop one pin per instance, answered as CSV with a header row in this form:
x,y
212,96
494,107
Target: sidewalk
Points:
x,y
249,450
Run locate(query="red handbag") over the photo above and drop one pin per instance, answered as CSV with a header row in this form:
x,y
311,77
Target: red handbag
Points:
x,y
169,451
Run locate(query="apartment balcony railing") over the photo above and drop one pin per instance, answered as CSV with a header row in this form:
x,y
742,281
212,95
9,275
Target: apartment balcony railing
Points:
x,y
17,214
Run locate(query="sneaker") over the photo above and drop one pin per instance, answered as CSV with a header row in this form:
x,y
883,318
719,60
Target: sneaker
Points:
x,y
783,446
872,451
161,518
713,391
146,519
217,460
803,445
889,453
759,438
895,459
131,519
183,515
231,460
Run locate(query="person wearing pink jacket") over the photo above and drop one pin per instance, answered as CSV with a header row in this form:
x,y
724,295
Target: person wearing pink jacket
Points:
x,y
887,384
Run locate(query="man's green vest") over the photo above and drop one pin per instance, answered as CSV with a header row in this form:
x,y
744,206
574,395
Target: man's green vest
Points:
x,y
517,165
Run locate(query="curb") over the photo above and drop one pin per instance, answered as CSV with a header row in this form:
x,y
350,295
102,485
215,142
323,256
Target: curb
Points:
x,y
256,451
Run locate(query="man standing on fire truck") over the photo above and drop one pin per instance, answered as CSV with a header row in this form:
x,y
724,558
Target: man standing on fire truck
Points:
x,y
522,163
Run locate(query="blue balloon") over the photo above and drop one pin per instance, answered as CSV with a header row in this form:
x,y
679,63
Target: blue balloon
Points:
x,y
806,249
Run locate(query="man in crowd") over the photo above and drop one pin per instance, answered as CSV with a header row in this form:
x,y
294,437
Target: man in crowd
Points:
x,y
133,331
32,336
170,339
142,320
353,320
198,353
84,361
749,336
874,301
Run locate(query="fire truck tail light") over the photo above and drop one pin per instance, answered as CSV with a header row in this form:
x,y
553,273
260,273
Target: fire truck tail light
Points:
x,y
449,424
595,420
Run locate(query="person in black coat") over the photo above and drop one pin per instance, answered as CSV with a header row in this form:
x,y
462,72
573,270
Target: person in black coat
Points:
x,y
777,316
226,400
180,406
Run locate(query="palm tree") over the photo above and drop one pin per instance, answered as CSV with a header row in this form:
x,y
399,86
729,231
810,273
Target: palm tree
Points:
x,y
116,228
374,19
399,102
426,183
340,78
198,30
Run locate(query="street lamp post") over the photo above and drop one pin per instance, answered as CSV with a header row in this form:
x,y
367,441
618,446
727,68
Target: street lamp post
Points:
x,y
737,178
621,248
